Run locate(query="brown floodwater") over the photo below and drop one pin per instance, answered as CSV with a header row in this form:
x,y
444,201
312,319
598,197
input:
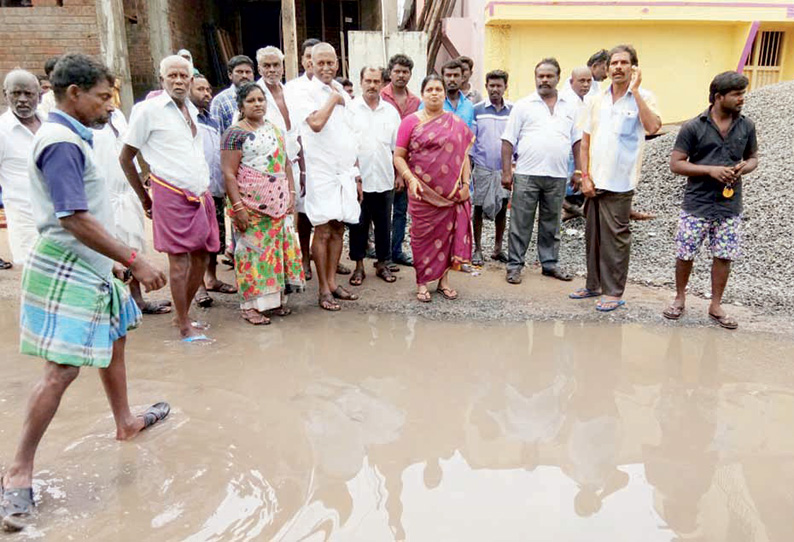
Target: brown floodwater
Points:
x,y
374,428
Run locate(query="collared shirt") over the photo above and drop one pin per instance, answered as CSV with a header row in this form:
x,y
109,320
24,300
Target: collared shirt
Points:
x,y
700,139
376,132
211,138
16,140
474,95
223,108
412,102
464,109
617,139
65,179
332,150
166,141
542,139
488,127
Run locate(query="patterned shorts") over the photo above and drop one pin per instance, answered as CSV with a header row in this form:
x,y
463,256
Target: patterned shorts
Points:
x,y
723,235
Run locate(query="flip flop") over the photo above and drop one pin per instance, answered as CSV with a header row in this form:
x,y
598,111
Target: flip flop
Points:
x,y
609,306
385,274
583,293
258,319
344,295
424,297
5,265
477,260
161,307
197,339
204,301
281,312
16,505
155,413
725,322
448,293
328,303
223,288
357,278
673,313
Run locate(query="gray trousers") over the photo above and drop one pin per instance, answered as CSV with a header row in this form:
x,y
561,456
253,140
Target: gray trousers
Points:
x,y
529,194
608,241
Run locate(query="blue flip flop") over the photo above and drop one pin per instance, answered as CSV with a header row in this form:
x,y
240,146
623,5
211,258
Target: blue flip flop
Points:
x,y
583,293
196,338
609,306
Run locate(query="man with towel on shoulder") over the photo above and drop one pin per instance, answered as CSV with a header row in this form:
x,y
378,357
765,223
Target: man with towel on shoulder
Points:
x,y
333,183
165,130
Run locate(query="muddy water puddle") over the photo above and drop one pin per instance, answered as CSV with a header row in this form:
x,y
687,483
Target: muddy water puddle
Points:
x,y
355,427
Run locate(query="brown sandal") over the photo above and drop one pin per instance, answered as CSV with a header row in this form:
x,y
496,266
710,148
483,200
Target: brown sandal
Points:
x,y
357,278
384,273
673,313
448,293
344,295
424,297
255,318
725,322
328,303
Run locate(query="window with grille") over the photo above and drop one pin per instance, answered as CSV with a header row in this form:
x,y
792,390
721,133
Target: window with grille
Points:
x,y
763,65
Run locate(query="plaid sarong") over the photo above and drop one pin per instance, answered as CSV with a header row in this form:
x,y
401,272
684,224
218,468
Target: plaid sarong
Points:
x,y
69,313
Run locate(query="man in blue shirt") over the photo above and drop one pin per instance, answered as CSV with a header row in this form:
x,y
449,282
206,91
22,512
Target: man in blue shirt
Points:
x,y
456,102
489,198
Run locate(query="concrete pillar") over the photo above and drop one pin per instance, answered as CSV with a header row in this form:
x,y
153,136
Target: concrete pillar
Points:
x,y
113,45
159,32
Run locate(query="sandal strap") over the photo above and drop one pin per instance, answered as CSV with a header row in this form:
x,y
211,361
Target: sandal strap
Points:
x,y
17,501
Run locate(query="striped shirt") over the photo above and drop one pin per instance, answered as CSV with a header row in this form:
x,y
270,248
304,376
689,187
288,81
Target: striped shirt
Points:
x,y
617,139
488,127
223,108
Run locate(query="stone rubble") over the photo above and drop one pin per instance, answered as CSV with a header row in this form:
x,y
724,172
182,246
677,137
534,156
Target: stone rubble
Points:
x,y
764,276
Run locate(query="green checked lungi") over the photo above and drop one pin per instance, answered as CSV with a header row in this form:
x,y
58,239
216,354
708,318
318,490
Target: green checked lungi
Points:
x,y
69,313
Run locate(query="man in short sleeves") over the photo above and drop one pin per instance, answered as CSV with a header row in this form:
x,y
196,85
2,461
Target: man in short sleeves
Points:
x,y
714,150
165,130
73,312
617,121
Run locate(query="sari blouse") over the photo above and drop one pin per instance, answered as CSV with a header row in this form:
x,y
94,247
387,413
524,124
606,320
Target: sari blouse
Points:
x,y
437,151
261,177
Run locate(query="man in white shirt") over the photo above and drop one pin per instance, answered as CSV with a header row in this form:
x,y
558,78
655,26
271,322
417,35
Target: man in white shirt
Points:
x,y
295,96
47,102
542,130
375,122
612,149
17,128
165,130
333,184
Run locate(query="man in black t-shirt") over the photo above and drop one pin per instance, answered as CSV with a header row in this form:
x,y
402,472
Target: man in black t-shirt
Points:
x,y
715,149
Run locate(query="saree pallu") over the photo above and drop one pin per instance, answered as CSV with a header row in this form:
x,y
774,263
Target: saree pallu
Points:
x,y
441,230
268,262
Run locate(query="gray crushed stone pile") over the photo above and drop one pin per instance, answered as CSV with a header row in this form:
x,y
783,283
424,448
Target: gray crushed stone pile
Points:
x,y
764,276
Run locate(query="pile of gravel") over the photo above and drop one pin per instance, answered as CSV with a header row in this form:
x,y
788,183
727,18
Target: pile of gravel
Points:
x,y
764,276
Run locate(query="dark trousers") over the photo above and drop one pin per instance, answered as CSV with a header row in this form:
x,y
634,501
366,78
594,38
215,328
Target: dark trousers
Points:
x,y
220,206
608,241
399,221
376,209
531,194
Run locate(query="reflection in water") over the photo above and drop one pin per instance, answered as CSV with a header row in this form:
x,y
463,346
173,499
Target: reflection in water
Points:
x,y
379,428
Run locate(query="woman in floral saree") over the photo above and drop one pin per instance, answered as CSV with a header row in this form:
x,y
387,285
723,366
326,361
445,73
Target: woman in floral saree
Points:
x,y
261,197
432,157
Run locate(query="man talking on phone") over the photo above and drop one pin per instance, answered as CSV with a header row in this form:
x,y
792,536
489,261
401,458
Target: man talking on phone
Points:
x,y
616,124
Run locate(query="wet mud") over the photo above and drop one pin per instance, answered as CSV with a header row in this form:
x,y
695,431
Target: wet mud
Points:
x,y
381,427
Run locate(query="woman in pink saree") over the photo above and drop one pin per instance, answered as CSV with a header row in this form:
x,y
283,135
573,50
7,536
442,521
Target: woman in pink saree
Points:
x,y
432,157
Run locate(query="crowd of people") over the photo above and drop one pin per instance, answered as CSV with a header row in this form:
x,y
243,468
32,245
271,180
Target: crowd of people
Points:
x,y
294,165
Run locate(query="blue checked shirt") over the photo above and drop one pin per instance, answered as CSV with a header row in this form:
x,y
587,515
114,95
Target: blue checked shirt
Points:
x,y
223,108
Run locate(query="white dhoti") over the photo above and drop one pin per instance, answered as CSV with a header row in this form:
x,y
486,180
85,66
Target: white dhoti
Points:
x,y
300,201
22,232
332,197
130,219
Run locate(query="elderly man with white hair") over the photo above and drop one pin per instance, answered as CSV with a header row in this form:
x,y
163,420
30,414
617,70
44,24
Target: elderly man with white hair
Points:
x,y
165,131
17,128
333,185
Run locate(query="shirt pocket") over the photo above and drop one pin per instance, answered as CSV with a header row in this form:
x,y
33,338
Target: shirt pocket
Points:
x,y
626,122
736,147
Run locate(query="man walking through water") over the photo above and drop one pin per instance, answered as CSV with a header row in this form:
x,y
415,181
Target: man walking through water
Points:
x,y
618,119
74,313
165,129
713,150
333,188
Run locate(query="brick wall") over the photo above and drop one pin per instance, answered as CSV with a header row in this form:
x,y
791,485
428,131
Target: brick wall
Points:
x,y
142,67
31,35
186,20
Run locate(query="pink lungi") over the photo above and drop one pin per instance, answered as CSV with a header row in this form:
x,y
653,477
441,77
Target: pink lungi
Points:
x,y
182,221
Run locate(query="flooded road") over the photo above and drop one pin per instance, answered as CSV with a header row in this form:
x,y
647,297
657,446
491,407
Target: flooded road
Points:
x,y
356,427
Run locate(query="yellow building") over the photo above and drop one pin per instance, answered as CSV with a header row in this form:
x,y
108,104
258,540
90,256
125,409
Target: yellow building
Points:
x,y
681,44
